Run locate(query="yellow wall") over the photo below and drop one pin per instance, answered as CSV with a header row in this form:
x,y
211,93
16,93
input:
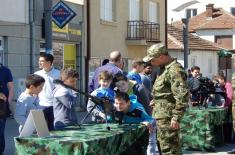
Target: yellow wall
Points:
x,y
109,36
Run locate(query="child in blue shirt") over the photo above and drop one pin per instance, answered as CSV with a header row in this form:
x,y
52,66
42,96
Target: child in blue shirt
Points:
x,y
105,92
133,112
137,67
28,100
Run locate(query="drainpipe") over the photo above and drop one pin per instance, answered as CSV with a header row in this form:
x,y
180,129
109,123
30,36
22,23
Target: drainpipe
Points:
x,y
32,34
166,43
48,28
88,56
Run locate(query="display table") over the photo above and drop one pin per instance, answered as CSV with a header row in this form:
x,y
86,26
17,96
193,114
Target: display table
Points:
x,y
90,139
202,129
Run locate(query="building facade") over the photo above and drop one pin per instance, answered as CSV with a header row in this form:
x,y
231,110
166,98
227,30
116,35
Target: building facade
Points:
x,y
196,8
129,26
22,38
202,53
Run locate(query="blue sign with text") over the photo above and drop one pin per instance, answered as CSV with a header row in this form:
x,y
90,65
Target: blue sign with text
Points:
x,y
62,14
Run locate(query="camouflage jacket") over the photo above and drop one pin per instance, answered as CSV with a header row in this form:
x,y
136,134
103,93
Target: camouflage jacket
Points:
x,y
170,92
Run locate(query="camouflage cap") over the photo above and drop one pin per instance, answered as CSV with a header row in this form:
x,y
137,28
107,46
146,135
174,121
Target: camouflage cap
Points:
x,y
155,51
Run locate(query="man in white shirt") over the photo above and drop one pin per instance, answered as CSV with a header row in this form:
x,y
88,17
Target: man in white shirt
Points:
x,y
49,73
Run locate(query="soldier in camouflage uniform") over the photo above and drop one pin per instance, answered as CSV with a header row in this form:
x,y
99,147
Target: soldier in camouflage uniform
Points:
x,y
170,97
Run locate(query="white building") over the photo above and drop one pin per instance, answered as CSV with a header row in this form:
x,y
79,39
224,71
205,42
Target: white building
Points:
x,y
21,38
196,9
202,53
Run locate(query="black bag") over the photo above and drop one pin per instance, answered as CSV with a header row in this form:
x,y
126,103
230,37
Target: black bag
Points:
x,y
3,109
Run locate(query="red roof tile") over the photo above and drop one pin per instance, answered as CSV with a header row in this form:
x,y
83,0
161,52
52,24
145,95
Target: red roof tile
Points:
x,y
220,20
175,41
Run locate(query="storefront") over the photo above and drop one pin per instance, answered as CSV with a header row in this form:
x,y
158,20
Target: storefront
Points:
x,y
67,50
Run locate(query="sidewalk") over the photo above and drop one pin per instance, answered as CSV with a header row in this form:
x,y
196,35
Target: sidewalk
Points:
x,y
12,131
222,150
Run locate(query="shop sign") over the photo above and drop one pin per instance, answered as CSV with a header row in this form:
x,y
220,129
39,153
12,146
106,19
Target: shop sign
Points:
x,y
70,32
62,14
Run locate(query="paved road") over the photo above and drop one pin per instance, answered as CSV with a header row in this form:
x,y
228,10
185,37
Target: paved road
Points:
x,y
12,131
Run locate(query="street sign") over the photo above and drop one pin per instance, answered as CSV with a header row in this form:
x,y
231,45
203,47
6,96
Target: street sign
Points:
x,y
62,14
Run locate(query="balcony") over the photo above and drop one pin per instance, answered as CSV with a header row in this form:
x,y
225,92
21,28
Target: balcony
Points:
x,y
142,32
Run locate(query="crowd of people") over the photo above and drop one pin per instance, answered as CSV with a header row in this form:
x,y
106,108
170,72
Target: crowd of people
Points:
x,y
158,103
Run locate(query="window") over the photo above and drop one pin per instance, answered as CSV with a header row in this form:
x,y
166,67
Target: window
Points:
x,y
153,12
191,12
134,10
225,41
107,10
233,11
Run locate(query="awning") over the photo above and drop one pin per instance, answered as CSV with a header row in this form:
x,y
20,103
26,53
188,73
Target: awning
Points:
x,y
224,53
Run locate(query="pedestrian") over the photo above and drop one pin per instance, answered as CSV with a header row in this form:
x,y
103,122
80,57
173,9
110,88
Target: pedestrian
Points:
x,y
170,97
227,88
146,77
114,65
137,67
7,89
49,73
105,61
233,108
133,112
28,100
64,100
130,87
103,92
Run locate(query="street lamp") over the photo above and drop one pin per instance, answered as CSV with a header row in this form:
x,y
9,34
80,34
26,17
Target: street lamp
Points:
x,y
185,29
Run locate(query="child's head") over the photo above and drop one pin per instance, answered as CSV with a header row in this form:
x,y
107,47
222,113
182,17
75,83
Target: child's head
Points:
x,y
69,76
137,64
220,79
121,82
122,102
105,79
34,83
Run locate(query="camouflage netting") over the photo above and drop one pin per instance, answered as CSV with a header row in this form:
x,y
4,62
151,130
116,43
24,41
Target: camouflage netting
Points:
x,y
201,129
90,139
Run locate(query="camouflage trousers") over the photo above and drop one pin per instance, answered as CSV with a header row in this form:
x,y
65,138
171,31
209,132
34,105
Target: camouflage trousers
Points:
x,y
169,139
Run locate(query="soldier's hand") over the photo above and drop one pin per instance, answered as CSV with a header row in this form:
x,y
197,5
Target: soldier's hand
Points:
x,y
174,124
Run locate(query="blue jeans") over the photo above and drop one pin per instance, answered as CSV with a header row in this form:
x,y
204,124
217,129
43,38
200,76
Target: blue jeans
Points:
x,y
152,145
2,137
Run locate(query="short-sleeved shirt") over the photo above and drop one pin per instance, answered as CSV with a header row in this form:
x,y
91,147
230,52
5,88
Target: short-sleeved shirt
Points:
x,y
5,77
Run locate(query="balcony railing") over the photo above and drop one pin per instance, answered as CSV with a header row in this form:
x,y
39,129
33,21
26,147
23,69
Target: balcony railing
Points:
x,y
142,30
